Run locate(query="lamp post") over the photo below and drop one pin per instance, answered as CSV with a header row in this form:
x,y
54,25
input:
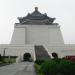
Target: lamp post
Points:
x,y
4,52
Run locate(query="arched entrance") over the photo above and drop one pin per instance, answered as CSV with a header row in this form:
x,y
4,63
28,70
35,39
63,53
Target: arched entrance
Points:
x,y
26,57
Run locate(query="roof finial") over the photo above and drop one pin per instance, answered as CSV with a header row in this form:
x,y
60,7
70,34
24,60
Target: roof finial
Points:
x,y
36,8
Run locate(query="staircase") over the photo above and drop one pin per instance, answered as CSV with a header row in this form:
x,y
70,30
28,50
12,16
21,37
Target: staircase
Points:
x,y
41,53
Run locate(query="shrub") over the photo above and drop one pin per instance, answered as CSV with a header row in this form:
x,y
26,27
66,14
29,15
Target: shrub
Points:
x,y
39,62
58,67
67,67
49,67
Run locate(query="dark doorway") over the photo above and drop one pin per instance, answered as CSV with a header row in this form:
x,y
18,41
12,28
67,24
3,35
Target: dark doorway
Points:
x,y
55,55
26,57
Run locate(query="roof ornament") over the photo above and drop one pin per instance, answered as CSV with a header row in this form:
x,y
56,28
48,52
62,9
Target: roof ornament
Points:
x,y
28,14
45,14
36,8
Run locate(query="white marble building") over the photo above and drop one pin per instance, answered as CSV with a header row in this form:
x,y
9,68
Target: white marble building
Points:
x,y
37,29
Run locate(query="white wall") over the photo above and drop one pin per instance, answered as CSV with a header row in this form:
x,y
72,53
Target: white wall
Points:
x,y
62,50
37,34
44,35
17,50
18,36
55,36
48,35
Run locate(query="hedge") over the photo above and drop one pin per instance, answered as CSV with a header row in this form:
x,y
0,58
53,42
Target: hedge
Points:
x,y
58,67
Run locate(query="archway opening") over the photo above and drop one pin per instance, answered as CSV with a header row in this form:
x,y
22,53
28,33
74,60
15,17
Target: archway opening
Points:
x,y
55,55
26,57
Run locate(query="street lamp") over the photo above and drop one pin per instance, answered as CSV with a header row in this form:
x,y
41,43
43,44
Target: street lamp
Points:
x,y
4,52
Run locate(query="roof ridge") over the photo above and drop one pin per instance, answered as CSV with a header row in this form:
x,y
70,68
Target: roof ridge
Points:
x,y
36,15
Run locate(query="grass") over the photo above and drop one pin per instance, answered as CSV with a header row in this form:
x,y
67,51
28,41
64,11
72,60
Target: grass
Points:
x,y
7,61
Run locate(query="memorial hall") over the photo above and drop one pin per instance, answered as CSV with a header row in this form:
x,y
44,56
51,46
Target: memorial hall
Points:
x,y
38,34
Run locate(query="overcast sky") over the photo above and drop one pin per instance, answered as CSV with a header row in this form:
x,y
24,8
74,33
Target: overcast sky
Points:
x,y
62,10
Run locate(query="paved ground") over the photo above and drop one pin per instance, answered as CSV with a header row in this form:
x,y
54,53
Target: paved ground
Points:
x,y
24,68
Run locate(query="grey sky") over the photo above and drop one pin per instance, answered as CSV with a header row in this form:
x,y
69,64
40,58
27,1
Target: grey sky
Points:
x,y
62,10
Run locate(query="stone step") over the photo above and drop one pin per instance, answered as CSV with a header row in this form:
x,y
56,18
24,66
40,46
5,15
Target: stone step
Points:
x,y
41,53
